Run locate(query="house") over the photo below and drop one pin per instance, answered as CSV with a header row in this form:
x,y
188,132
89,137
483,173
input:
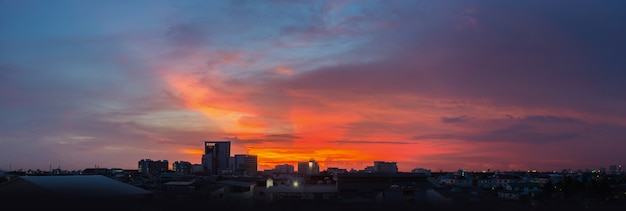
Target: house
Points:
x,y
541,180
303,192
462,181
485,182
456,180
261,186
179,189
525,188
239,191
371,187
501,180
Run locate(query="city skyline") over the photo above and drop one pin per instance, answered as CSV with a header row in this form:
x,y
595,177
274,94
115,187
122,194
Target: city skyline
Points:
x,y
440,85
209,147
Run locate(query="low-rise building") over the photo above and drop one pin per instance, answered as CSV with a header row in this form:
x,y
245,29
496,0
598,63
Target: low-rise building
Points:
x,y
525,188
302,192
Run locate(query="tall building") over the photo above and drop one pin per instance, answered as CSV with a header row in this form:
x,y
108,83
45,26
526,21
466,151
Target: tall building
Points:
x,y
308,168
216,156
147,166
243,164
388,167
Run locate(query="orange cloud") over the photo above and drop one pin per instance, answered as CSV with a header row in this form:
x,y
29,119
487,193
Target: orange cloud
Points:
x,y
198,96
252,122
193,151
377,126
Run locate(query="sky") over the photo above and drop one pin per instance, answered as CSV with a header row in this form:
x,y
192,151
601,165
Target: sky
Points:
x,y
441,85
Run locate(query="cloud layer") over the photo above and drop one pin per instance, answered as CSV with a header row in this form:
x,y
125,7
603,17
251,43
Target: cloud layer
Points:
x,y
441,85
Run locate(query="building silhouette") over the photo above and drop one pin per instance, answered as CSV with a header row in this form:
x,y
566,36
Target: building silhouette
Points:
x,y
243,164
284,169
387,167
147,166
215,159
183,167
308,168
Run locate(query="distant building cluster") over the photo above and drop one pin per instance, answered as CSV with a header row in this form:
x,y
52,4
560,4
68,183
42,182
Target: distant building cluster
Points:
x,y
183,167
283,169
216,160
379,184
222,178
147,166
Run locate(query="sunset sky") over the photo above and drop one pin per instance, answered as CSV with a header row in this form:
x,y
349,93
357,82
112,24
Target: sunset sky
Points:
x,y
442,85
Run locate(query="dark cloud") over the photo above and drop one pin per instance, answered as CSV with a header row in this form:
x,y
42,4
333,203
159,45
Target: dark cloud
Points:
x,y
553,119
245,141
512,58
439,136
528,137
371,142
458,119
283,136
363,129
519,133
518,128
279,138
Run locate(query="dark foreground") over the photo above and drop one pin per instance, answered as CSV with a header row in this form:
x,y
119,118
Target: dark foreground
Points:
x,y
162,205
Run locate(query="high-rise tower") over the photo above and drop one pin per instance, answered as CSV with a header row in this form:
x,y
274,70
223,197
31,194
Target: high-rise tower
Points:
x,y
215,157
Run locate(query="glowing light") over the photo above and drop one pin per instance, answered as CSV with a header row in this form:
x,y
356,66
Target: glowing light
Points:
x,y
295,184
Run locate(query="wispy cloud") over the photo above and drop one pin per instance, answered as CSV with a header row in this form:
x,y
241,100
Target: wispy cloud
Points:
x,y
371,142
458,119
344,82
553,119
520,133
